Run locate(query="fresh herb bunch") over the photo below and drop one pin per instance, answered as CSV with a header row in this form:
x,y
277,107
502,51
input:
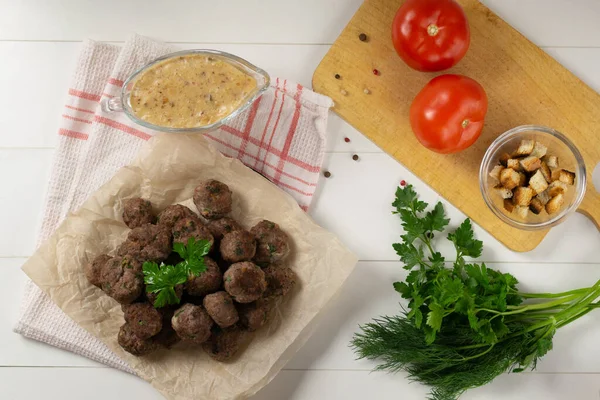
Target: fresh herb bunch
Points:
x,y
163,279
465,323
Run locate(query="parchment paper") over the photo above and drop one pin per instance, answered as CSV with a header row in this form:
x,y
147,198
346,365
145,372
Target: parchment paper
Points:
x,y
166,172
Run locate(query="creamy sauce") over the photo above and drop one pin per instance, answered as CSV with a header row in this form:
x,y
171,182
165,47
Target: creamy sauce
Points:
x,y
189,91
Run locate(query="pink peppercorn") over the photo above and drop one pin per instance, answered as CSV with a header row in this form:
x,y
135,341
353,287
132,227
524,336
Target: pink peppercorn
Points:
x,y
375,71
402,182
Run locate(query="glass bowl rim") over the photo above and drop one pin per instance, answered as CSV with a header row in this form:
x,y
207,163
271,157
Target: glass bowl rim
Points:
x,y
510,134
206,128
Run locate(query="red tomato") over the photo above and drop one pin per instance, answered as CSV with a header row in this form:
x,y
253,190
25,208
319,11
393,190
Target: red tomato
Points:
x,y
447,115
431,35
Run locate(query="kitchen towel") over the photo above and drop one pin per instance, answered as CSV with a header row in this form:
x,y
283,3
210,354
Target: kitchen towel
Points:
x,y
281,136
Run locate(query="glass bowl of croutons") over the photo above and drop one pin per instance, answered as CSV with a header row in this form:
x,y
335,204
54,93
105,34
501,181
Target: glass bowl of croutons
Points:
x,y
532,177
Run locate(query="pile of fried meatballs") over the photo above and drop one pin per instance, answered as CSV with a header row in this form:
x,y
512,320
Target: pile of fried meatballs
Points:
x,y
243,281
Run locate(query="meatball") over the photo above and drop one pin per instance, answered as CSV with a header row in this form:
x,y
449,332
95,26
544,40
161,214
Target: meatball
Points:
x,y
133,344
224,343
219,227
255,315
221,309
192,323
208,282
170,215
147,243
143,319
238,246
272,244
188,228
93,270
151,297
122,279
245,282
213,199
137,212
280,280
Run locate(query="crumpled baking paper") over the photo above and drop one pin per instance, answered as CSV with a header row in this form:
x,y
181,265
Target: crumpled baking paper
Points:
x,y
166,172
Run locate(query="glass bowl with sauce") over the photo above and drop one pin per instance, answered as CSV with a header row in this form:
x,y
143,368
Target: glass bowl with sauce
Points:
x,y
189,91
558,145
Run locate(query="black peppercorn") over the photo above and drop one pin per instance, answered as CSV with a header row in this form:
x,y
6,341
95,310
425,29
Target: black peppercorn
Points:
x,y
362,37
355,157
326,174
337,76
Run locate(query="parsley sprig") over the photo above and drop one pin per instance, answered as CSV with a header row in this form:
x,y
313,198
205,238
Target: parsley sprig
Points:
x,y
465,323
162,279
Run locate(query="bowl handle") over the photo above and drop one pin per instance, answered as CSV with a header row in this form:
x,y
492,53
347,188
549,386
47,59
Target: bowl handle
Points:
x,y
114,104
590,206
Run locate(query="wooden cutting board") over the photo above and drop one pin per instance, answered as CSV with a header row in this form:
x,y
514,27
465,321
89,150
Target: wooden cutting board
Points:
x,y
524,86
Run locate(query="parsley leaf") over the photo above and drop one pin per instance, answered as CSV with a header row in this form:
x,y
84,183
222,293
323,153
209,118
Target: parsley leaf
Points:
x,y
162,280
409,254
434,220
464,240
408,198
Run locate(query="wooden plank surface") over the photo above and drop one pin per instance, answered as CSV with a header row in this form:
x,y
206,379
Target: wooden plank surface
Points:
x,y
523,83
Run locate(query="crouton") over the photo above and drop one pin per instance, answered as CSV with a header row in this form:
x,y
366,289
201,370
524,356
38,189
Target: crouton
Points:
x,y
522,179
496,172
557,187
536,206
509,205
552,161
543,197
522,211
531,163
555,203
525,148
539,150
503,192
546,172
564,176
509,178
514,164
522,196
537,182
504,158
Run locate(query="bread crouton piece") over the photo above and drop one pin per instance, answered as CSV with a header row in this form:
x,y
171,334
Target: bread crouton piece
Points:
x,y
522,196
537,182
531,163
555,203
509,205
556,188
522,179
564,176
545,169
552,161
503,192
525,148
496,172
514,164
536,206
522,211
509,178
539,150
504,159
543,197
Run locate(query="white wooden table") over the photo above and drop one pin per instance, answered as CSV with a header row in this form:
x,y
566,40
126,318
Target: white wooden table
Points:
x,y
39,40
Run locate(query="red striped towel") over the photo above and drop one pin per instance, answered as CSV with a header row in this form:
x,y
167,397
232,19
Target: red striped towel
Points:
x,y
281,135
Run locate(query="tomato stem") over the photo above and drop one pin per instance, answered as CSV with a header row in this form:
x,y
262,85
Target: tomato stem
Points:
x,y
432,30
